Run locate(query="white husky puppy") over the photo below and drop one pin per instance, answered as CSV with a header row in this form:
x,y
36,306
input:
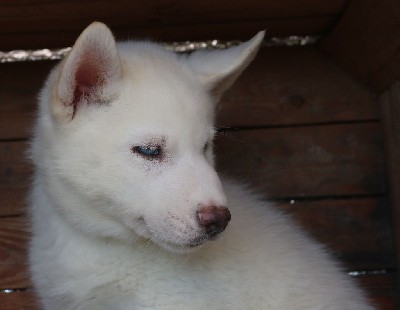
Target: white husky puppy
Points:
x,y
127,209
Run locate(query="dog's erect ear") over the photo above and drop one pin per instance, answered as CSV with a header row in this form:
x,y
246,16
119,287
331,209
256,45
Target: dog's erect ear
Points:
x,y
89,73
219,69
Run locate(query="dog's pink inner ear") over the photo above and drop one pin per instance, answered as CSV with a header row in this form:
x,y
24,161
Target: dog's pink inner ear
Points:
x,y
89,73
86,78
89,76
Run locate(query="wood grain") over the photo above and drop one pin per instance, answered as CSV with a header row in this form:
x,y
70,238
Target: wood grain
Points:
x,y
286,86
15,174
366,41
382,289
25,300
223,31
35,24
355,230
19,87
277,89
13,253
391,123
306,161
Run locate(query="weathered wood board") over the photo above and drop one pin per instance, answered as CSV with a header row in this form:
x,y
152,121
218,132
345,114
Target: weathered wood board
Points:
x,y
366,42
43,24
306,161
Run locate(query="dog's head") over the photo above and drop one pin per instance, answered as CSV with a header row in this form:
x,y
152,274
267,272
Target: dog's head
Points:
x,y
125,136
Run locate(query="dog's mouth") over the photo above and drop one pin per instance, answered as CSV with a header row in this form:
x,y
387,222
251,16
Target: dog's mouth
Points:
x,y
182,248
145,232
198,242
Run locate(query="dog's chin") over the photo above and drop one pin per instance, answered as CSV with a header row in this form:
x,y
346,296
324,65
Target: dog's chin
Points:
x,y
144,232
181,248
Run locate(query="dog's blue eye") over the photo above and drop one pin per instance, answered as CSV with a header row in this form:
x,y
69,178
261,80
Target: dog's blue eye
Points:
x,y
147,151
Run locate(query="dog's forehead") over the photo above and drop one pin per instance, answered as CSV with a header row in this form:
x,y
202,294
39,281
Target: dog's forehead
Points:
x,y
150,65
159,86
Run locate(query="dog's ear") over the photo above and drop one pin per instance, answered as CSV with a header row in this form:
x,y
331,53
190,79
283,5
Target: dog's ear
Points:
x,y
218,69
89,73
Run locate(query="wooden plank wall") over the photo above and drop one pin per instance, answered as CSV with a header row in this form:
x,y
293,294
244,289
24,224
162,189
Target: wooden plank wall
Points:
x,y
57,23
390,106
366,41
295,127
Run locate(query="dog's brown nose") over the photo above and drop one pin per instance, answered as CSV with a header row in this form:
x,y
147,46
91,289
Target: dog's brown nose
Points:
x,y
214,219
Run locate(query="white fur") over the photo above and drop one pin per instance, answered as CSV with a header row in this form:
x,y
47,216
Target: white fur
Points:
x,y
114,230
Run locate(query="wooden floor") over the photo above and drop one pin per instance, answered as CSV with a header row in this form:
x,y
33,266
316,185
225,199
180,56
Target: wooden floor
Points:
x,y
295,127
